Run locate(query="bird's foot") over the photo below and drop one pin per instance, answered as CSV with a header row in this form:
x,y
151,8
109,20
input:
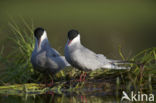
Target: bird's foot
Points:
x,y
82,77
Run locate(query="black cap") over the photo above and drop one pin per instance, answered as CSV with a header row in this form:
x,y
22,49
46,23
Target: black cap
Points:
x,y
72,34
38,32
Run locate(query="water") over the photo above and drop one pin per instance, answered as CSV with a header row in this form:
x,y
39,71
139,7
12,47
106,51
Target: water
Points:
x,y
54,98
93,91
97,92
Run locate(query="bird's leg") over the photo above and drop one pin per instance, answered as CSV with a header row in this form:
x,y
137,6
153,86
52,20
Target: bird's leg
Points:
x,y
51,83
82,77
83,99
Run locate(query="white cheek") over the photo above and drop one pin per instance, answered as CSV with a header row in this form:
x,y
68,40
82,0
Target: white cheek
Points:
x,y
76,40
44,36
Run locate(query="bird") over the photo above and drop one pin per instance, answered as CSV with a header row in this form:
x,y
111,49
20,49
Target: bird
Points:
x,y
84,59
44,58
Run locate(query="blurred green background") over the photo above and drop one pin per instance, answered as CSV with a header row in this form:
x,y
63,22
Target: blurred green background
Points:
x,y
103,24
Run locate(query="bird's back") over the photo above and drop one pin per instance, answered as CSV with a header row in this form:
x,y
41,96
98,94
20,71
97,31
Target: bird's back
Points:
x,y
83,58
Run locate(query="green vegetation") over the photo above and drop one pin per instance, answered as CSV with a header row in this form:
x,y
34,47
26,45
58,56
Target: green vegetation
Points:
x,y
17,67
18,70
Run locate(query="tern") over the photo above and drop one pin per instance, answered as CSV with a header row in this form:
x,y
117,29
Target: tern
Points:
x,y
84,59
44,58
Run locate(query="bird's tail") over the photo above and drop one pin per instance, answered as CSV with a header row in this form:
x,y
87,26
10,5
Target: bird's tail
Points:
x,y
65,61
118,64
121,61
67,64
112,66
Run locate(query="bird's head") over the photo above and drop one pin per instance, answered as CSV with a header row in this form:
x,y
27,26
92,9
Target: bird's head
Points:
x,y
73,37
40,34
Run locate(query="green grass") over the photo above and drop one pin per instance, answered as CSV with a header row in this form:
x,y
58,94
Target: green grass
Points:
x,y
17,68
17,62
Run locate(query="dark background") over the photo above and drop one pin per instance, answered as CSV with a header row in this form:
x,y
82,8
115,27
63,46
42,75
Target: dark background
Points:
x,y
103,24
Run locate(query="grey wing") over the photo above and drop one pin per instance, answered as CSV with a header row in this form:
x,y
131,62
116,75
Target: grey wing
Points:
x,y
100,61
62,58
102,58
87,51
52,52
92,55
56,52
87,59
58,57
111,64
55,64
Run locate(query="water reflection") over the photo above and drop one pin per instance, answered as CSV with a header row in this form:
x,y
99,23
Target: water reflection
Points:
x,y
92,92
56,98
